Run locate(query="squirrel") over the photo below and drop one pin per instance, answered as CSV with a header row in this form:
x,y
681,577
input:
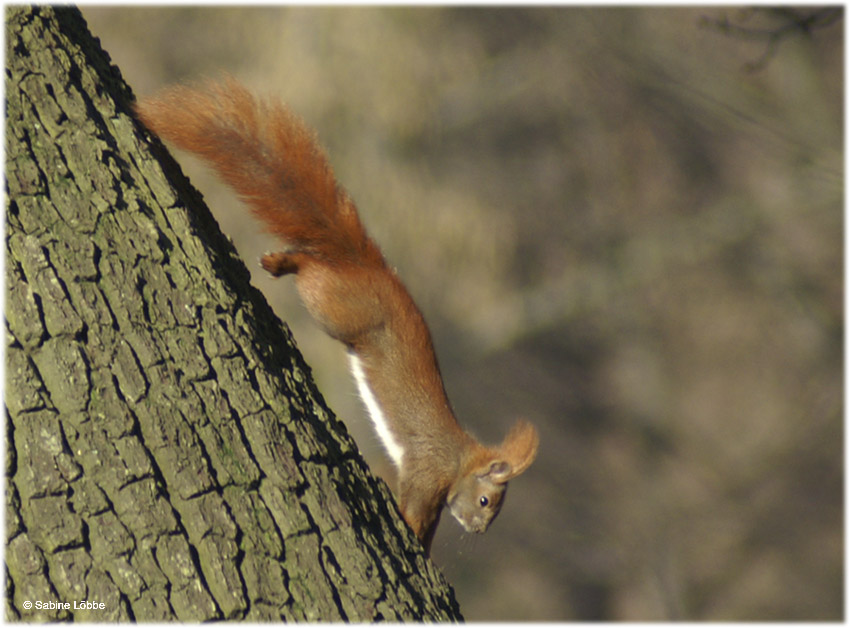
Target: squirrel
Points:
x,y
273,161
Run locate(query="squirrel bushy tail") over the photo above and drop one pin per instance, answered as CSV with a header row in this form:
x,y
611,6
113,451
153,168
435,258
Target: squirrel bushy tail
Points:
x,y
271,159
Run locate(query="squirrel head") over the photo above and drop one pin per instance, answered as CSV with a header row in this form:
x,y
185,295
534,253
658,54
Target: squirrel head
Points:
x,y
476,498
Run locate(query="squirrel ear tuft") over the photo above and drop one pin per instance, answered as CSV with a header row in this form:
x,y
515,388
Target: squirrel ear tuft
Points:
x,y
519,449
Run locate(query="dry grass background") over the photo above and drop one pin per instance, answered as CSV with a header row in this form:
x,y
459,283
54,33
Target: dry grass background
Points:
x,y
614,229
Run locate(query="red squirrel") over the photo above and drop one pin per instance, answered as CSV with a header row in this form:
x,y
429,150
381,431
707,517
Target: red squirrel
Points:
x,y
274,162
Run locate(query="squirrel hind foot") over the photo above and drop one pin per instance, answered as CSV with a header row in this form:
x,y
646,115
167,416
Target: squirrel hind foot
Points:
x,y
280,263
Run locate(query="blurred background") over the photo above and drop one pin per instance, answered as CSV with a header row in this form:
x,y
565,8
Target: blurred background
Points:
x,y
625,225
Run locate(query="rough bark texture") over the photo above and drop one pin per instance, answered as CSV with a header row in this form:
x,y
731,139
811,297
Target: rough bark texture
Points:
x,y
167,454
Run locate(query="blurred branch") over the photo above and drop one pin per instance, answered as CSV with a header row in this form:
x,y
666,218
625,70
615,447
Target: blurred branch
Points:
x,y
785,22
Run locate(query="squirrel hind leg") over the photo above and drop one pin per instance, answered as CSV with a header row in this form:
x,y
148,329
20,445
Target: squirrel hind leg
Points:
x,y
280,263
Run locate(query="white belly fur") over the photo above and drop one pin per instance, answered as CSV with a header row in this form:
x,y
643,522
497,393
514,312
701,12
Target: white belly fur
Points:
x,y
376,413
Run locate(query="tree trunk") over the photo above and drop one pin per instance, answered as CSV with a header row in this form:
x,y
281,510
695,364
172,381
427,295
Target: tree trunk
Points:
x,y
167,455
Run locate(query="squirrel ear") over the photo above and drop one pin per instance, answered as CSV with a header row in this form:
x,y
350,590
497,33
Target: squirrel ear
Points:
x,y
499,471
518,449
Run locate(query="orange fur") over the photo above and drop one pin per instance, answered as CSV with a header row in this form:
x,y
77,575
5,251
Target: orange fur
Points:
x,y
267,154
271,159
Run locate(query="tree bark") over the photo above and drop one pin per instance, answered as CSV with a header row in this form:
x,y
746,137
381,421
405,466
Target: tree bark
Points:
x,y
167,453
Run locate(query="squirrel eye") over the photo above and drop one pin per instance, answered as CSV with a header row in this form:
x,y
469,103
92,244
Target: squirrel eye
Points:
x,y
483,501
